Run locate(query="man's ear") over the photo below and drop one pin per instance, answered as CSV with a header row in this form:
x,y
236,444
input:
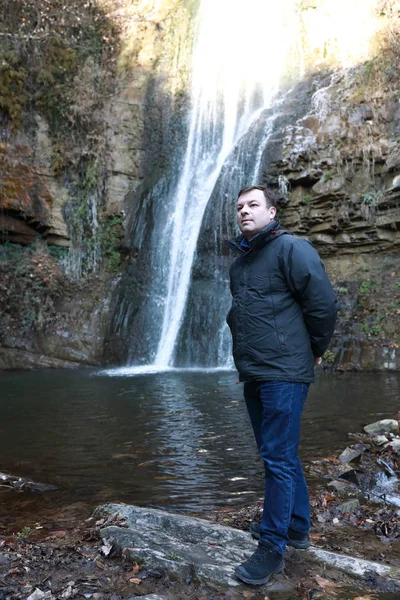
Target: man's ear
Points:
x,y
272,212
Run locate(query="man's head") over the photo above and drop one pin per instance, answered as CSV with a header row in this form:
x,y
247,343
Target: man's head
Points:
x,y
256,208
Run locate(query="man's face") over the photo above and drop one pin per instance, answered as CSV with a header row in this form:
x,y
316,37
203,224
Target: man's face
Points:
x,y
253,214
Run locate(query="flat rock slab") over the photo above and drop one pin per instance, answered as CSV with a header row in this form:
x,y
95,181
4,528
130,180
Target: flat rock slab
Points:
x,y
188,546
180,545
354,566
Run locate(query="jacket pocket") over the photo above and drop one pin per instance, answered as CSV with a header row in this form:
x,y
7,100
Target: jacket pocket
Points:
x,y
277,288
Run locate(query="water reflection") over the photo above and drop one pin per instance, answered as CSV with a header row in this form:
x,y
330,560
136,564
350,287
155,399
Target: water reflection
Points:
x,y
181,440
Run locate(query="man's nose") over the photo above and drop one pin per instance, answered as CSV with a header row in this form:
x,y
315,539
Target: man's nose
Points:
x,y
244,210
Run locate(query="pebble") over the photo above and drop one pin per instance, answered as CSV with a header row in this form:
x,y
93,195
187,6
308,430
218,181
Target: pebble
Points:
x,y
379,440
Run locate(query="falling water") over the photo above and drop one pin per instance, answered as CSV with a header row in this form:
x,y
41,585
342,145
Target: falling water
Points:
x,y
172,319
238,60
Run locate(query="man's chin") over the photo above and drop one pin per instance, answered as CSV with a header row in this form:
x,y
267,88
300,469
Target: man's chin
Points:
x,y
247,231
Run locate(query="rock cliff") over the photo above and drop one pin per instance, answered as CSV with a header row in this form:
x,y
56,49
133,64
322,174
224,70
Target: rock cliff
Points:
x,y
336,166
89,92
92,118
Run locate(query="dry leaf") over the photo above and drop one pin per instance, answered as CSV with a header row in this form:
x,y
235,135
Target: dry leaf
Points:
x,y
135,568
325,584
134,571
135,580
100,564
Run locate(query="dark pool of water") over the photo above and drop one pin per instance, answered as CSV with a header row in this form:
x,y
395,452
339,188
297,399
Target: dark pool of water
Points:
x,y
176,440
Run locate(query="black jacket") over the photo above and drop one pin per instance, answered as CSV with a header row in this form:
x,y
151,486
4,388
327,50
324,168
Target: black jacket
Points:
x,y
283,308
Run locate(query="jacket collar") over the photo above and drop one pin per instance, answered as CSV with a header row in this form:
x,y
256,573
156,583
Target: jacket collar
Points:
x,y
270,232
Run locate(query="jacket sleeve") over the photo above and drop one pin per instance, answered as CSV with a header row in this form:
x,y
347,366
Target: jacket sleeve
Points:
x,y
310,286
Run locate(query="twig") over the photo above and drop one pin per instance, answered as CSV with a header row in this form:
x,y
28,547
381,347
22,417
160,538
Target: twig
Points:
x,y
25,37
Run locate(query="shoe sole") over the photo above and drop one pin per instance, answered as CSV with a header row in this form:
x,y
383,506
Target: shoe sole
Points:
x,y
292,543
299,545
245,579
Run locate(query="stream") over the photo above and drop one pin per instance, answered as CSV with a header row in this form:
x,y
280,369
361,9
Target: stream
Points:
x,y
179,439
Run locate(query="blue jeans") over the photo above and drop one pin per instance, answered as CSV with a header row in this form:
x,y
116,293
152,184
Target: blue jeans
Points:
x,y
275,408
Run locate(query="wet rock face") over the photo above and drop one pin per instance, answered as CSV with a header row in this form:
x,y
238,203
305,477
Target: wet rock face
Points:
x,y
74,335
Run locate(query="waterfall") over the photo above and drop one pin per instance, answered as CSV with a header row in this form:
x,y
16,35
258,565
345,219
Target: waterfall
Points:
x,y
236,70
239,59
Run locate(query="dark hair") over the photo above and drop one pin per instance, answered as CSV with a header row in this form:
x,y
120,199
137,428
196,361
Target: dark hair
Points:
x,y
270,198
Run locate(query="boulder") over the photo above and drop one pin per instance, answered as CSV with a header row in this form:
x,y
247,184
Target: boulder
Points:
x,y
383,426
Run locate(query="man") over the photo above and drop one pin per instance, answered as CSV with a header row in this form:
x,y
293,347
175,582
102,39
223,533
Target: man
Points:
x,y
282,319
